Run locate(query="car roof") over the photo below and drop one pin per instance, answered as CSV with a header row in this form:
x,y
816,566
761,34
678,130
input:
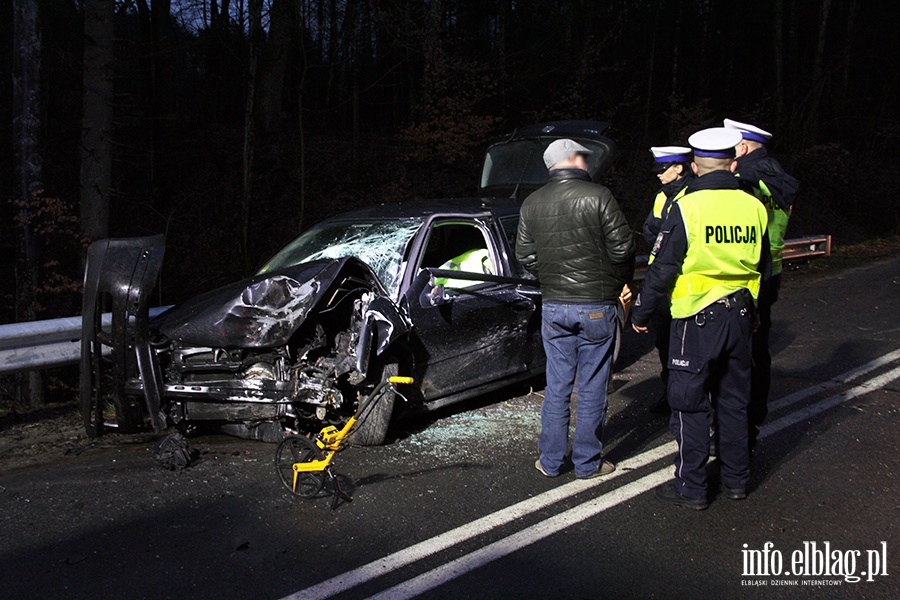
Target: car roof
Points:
x,y
426,208
558,130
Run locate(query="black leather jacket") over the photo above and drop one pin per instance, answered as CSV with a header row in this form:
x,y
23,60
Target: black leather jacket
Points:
x,y
575,239
759,166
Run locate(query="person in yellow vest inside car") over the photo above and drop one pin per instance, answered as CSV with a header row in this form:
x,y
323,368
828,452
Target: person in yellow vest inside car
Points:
x,y
710,259
476,260
777,191
672,165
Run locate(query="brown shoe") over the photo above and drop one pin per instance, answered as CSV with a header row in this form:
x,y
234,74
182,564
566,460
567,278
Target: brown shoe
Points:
x,y
606,468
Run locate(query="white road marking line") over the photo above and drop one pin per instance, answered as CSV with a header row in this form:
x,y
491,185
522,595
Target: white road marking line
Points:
x,y
501,548
830,402
411,554
462,565
834,381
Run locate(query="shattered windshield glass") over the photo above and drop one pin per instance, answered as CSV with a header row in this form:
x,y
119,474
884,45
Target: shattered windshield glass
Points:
x,y
379,244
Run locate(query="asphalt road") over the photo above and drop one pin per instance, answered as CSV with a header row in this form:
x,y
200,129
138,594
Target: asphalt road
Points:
x,y
453,507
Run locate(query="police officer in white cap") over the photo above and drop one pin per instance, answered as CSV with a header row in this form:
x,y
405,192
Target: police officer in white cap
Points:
x,y
777,191
672,165
707,260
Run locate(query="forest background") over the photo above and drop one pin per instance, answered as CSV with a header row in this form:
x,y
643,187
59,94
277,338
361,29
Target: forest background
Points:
x,y
231,125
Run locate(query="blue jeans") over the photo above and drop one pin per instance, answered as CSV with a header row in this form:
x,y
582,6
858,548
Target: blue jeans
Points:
x,y
578,341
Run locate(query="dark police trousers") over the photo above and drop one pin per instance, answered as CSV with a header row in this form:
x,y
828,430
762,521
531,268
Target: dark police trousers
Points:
x,y
761,376
710,359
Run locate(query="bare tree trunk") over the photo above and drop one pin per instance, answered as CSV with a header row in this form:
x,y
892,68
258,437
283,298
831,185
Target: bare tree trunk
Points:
x,y
676,50
97,120
242,15
705,8
792,68
848,44
331,97
355,60
275,65
256,32
27,133
301,209
648,103
153,23
818,83
778,54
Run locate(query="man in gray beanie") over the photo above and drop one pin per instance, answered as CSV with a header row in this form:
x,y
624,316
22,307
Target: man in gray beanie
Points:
x,y
575,239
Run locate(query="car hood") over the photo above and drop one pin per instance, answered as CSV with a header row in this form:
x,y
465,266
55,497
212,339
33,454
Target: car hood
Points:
x,y
258,312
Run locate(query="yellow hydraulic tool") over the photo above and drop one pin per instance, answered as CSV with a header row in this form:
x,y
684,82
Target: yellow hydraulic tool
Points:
x,y
302,463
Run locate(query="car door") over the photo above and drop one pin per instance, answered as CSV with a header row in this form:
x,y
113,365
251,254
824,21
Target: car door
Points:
x,y
476,331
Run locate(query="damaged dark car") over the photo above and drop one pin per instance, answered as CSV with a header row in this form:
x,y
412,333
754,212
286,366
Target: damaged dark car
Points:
x,y
429,289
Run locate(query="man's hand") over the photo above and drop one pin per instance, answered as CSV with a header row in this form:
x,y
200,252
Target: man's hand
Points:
x,y
638,328
626,295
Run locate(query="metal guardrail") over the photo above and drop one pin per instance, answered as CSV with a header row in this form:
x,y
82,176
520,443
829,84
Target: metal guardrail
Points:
x,y
57,342
44,344
817,245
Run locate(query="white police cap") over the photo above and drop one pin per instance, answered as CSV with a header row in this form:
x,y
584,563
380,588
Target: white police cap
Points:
x,y
749,132
668,154
715,142
560,150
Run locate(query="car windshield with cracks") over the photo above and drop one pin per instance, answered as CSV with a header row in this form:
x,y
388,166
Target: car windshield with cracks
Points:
x,y
379,244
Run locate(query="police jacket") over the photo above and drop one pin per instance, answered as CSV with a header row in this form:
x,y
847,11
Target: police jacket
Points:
x,y
671,250
575,239
662,202
759,166
776,190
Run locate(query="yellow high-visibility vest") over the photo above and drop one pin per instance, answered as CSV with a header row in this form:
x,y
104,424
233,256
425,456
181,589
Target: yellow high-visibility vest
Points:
x,y
472,261
778,222
724,242
659,203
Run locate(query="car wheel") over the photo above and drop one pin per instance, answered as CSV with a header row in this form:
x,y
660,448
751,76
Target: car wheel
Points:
x,y
372,425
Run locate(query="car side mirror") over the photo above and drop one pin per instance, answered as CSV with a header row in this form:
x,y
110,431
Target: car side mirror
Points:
x,y
430,292
438,296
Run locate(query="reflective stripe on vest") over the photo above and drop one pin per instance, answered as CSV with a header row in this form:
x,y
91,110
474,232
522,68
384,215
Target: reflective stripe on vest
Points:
x,y
473,261
724,241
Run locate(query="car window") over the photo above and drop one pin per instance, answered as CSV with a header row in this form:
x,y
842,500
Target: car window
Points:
x,y
458,246
380,244
522,162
